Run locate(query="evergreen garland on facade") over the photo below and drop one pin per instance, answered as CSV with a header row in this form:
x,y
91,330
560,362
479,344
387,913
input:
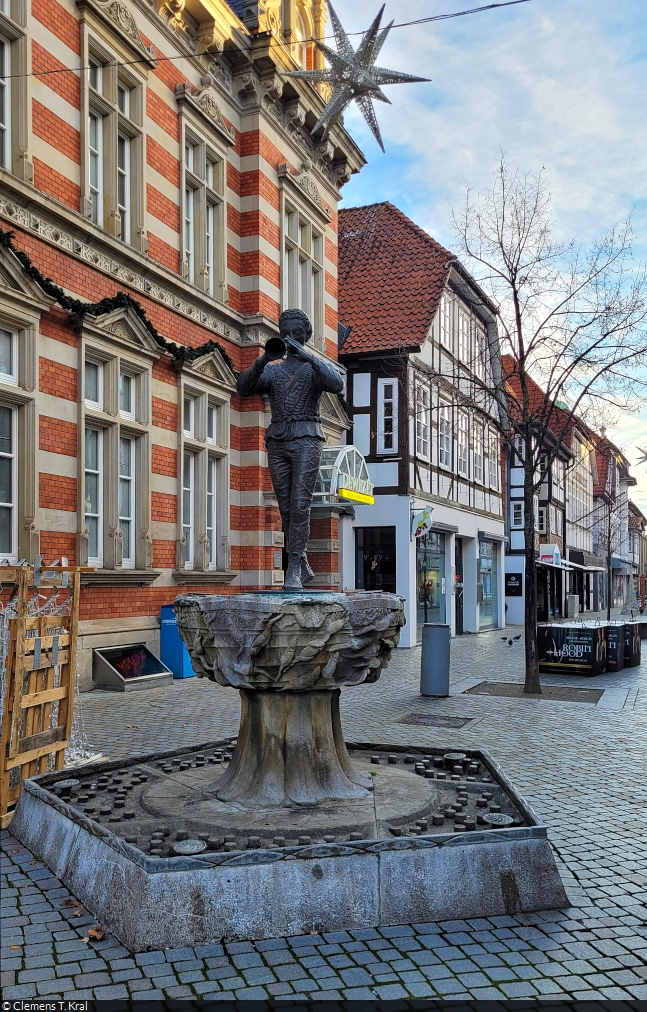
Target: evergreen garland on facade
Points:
x,y
119,301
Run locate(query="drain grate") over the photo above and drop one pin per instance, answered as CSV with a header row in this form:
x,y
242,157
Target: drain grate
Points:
x,y
434,720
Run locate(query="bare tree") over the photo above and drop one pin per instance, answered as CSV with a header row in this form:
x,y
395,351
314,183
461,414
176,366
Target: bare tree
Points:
x,y
572,321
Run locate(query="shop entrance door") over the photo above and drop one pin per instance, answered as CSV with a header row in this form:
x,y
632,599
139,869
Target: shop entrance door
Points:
x,y
458,564
375,558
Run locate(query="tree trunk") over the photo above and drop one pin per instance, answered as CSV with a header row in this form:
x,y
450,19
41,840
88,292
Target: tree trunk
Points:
x,y
609,569
532,683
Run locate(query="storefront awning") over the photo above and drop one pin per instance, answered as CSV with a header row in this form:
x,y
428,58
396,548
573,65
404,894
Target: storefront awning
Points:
x,y
489,536
585,569
551,565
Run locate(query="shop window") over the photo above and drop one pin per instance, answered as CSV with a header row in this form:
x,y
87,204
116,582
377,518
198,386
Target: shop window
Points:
x,y
430,579
487,589
387,415
375,567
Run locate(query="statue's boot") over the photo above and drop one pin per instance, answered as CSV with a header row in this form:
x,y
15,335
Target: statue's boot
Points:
x,y
293,575
307,575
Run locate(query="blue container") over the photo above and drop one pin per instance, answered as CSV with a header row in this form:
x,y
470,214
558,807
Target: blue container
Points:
x,y
172,648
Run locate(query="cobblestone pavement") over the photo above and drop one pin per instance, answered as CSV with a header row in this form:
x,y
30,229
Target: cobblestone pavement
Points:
x,y
581,766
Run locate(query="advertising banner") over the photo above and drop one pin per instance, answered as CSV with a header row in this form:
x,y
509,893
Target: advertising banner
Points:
x,y
576,650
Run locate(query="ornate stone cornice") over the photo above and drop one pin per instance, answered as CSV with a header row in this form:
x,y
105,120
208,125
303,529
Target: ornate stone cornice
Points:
x,y
102,260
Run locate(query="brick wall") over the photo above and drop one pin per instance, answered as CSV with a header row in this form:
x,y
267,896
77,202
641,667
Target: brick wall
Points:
x,y
57,436
55,492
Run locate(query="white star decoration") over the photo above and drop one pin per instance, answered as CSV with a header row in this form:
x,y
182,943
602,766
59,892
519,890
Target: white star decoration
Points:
x,y
643,459
353,75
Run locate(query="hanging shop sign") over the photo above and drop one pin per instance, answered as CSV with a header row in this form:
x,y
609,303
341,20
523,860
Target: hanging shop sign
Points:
x,y
421,522
550,554
343,474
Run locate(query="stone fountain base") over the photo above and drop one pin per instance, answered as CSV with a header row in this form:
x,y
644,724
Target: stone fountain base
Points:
x,y
446,840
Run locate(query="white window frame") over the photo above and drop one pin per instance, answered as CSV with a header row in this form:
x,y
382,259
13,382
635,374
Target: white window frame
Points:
x,y
462,446
98,404
423,420
124,412
382,401
11,378
516,511
542,519
190,401
212,416
5,103
94,560
188,507
494,462
12,504
446,335
303,267
444,437
212,507
553,520
480,344
96,159
189,233
123,89
95,67
478,456
464,329
124,180
128,561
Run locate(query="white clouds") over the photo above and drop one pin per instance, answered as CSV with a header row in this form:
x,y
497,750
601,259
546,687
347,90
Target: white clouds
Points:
x,y
553,84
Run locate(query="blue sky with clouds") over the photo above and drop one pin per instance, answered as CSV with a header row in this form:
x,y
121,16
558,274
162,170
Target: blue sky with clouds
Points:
x,y
559,84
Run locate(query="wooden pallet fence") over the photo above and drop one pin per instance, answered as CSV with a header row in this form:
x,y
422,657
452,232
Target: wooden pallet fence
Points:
x,y
40,680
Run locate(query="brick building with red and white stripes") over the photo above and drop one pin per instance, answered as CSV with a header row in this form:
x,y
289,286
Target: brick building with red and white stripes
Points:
x,y
154,149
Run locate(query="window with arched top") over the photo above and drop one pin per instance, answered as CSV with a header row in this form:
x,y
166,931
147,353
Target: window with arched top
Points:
x,y
301,49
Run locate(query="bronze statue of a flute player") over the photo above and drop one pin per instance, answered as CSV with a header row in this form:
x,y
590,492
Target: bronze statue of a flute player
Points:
x,y
294,438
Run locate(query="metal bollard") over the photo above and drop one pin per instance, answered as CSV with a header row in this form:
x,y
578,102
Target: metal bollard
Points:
x,y
434,660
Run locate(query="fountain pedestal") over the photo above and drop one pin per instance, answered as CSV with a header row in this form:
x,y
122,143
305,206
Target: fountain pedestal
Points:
x,y
288,654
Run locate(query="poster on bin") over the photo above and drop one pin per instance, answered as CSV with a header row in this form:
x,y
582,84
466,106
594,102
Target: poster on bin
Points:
x,y
574,650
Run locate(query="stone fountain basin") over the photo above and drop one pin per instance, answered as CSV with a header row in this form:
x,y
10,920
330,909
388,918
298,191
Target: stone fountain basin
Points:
x,y
244,890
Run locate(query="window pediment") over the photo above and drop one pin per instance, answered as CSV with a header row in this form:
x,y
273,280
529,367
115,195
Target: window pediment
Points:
x,y
333,412
123,327
15,281
212,367
117,16
204,105
304,186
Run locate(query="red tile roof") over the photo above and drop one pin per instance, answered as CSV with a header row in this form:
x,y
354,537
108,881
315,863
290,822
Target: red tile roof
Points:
x,y
391,277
